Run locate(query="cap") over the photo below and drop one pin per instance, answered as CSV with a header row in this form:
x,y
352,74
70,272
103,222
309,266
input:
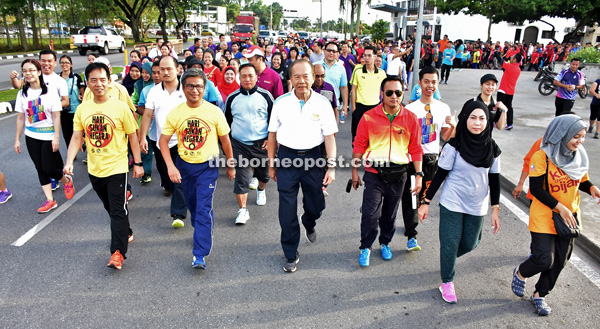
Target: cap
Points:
x,y
193,61
253,51
488,77
102,60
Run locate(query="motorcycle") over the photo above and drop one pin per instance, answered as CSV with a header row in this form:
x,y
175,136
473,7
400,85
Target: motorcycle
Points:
x,y
547,87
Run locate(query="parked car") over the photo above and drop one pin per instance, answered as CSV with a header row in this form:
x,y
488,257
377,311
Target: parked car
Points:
x,y
98,38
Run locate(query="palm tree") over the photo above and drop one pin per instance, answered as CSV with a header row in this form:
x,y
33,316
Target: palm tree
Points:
x,y
355,6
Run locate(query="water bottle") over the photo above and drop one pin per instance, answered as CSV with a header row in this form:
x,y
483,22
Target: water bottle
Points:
x,y
342,117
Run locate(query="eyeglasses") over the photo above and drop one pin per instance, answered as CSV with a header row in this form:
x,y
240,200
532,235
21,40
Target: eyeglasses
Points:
x,y
389,93
65,63
331,50
319,76
190,87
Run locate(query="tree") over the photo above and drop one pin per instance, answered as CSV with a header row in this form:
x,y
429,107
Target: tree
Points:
x,y
379,29
131,12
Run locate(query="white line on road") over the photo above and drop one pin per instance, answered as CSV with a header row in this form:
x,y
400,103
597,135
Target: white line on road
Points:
x,y
34,230
579,263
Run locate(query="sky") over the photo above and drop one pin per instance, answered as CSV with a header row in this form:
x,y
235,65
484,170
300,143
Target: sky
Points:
x,y
331,10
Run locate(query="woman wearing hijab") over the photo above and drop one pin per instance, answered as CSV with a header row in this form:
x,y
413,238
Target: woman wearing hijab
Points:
x,y
229,84
562,165
139,85
134,75
468,164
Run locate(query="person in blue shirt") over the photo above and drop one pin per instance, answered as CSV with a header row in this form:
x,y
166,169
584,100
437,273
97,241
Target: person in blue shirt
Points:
x,y
568,81
458,57
448,58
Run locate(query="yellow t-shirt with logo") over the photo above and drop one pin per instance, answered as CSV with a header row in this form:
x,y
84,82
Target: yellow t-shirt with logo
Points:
x,y
368,85
106,127
198,130
562,188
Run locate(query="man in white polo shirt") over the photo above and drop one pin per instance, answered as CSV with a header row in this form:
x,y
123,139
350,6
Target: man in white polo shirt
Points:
x,y
301,121
161,99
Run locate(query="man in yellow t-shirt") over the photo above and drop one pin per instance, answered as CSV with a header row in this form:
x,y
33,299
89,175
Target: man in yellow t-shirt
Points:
x,y
199,126
107,123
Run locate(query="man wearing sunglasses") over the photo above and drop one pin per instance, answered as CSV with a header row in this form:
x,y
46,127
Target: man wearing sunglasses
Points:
x,y
436,123
335,74
386,135
198,126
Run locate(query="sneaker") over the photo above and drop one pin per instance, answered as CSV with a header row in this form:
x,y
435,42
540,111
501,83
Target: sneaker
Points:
x,y
177,222
69,189
590,129
290,265
116,260
364,258
386,252
55,184
146,179
261,197
130,238
311,236
199,262
448,294
596,136
242,217
412,245
129,195
325,193
459,70
5,195
518,285
254,183
541,307
509,127
48,205
166,192
446,82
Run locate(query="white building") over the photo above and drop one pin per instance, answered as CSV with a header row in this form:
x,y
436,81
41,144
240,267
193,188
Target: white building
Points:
x,y
460,26
212,18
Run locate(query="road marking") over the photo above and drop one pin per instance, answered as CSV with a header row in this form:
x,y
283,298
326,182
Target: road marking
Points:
x,y
8,116
579,263
37,228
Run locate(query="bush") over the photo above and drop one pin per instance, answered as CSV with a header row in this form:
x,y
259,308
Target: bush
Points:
x,y
589,55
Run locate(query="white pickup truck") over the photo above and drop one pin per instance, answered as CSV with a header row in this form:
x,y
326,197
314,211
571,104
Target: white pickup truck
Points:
x,y
97,38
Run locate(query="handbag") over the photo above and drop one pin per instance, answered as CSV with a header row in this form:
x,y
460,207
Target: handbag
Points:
x,y
562,229
390,173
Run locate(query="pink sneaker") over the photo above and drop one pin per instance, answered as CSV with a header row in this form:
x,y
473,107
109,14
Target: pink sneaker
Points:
x,y
448,294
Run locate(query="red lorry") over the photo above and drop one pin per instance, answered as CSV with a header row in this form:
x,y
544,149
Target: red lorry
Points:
x,y
246,27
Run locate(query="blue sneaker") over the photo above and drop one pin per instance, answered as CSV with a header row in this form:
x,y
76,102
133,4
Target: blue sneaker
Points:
x,y
364,258
412,245
199,262
5,195
386,252
55,185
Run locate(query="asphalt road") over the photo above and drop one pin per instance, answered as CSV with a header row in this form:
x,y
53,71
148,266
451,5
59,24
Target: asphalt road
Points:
x,y
57,278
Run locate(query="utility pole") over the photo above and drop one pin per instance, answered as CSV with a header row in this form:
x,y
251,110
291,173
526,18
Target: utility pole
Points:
x,y
321,20
271,19
417,47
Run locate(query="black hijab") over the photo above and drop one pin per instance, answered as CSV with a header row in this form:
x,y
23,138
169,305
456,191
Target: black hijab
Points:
x,y
478,150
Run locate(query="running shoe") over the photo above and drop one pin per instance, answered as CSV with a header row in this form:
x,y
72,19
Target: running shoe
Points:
x,y
177,222
590,129
48,205
130,238
5,195
198,262
69,189
311,235
254,183
291,265
261,197
55,184
541,307
242,217
412,245
596,136
509,127
116,260
448,293
518,285
129,195
386,252
325,193
364,257
146,179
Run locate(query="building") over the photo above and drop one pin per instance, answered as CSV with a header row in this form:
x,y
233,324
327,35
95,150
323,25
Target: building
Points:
x,y
213,18
460,26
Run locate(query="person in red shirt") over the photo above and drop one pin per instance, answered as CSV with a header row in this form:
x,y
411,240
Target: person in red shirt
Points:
x,y
534,62
506,91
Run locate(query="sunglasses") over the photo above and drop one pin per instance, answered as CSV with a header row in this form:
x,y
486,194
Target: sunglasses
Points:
x,y
389,93
319,76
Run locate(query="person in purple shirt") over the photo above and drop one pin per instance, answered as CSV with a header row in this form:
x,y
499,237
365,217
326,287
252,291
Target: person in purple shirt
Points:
x,y
324,88
568,81
196,44
349,61
268,79
211,45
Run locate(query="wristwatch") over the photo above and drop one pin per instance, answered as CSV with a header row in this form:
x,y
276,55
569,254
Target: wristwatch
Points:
x,y
139,164
420,173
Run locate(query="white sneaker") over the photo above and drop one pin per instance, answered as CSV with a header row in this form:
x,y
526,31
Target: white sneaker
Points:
x,y
242,217
261,198
254,183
